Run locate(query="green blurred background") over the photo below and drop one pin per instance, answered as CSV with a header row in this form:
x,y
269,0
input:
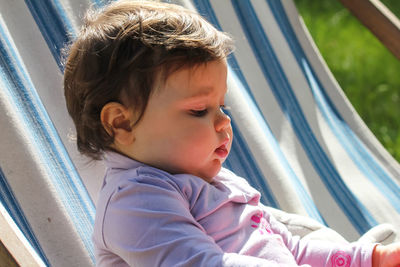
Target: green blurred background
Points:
x,y
367,72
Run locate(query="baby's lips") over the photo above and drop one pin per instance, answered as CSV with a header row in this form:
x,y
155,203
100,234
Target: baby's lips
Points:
x,y
222,151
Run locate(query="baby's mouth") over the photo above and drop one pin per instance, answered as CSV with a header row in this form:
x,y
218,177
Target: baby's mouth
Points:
x,y
222,151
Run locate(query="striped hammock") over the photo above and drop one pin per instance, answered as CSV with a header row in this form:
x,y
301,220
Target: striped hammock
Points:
x,y
297,139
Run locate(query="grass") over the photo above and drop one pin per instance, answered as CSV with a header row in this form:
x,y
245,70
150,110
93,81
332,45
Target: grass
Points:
x,y
367,72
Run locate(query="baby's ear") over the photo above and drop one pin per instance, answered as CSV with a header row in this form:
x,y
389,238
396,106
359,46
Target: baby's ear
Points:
x,y
117,120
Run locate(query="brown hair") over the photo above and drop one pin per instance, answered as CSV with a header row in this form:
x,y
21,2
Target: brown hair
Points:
x,y
121,50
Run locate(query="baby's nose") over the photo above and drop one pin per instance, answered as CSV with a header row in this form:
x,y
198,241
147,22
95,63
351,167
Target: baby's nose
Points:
x,y
222,121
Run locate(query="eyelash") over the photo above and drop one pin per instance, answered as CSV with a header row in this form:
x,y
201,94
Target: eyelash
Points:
x,y
203,112
199,113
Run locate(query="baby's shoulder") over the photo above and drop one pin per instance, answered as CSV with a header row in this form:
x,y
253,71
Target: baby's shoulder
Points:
x,y
145,177
153,181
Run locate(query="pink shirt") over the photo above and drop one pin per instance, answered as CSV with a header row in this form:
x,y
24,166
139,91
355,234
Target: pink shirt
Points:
x,y
147,217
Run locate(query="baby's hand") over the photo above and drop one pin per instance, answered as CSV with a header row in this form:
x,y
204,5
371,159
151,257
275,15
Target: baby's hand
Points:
x,y
386,256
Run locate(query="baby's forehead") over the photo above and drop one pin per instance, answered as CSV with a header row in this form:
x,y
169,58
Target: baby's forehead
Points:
x,y
170,74
199,72
198,81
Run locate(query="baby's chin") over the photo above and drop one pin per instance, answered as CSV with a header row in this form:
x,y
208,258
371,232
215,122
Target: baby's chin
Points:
x,y
206,172
207,179
209,174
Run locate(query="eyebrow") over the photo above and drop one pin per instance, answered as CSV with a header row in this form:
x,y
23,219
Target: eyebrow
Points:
x,y
203,92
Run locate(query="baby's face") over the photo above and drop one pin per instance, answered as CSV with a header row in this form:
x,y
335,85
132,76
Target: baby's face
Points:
x,y
184,129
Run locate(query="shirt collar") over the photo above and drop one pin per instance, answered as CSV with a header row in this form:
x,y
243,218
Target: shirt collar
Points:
x,y
114,160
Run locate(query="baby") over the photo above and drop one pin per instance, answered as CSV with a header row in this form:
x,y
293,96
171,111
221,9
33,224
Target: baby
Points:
x,y
145,85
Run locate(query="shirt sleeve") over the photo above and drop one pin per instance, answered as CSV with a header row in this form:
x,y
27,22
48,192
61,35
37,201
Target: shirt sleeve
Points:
x,y
320,253
147,222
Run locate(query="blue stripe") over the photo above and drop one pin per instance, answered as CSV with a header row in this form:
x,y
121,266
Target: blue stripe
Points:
x,y
39,127
101,3
350,142
356,212
240,158
206,10
53,25
10,203
66,22
305,198
241,162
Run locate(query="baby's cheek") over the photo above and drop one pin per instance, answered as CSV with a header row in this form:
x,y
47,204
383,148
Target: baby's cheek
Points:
x,y
201,136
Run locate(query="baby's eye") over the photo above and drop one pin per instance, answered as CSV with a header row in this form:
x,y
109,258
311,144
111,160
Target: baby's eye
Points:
x,y
199,113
